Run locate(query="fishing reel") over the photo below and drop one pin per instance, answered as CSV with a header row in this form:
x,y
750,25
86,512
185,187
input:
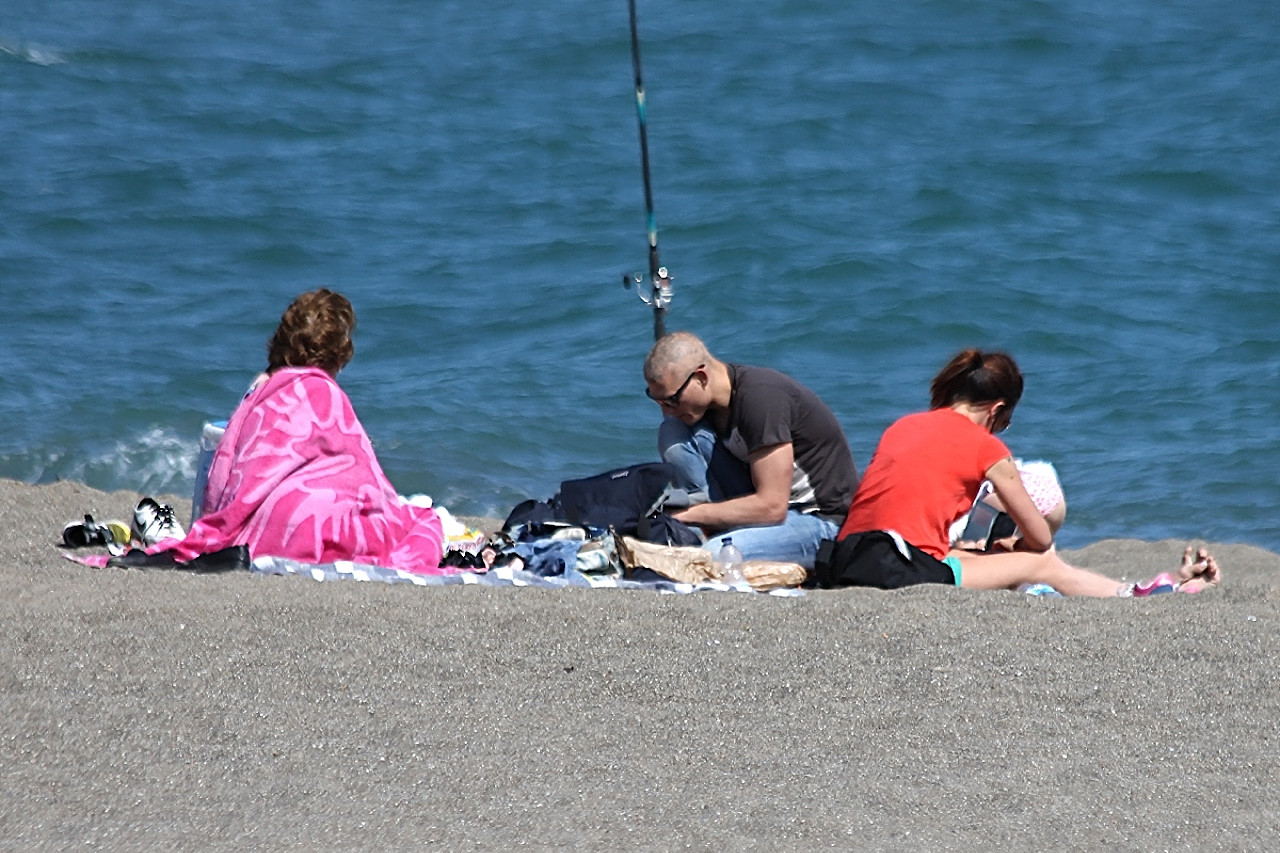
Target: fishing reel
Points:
x,y
659,292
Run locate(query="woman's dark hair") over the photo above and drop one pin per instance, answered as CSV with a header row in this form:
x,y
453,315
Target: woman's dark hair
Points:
x,y
315,331
974,376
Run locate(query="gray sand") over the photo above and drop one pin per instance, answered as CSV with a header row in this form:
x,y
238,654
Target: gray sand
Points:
x,y
166,709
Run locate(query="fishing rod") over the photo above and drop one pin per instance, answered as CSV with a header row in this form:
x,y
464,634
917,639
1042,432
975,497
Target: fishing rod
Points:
x,y
659,292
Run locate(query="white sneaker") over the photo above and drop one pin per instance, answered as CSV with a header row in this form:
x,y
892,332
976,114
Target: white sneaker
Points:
x,y
154,522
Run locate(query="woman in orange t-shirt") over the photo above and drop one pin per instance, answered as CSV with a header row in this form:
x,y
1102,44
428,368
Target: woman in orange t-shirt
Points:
x,y
926,473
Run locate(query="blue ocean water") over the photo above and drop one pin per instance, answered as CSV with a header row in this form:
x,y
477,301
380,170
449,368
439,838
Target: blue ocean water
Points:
x,y
847,191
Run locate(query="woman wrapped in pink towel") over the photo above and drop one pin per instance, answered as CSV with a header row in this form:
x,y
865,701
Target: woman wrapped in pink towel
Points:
x,y
295,475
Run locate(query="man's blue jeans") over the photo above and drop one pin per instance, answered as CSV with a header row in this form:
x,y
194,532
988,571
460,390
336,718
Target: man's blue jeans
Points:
x,y
708,471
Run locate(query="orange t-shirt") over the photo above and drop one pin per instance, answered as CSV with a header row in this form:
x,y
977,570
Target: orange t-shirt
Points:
x,y
924,475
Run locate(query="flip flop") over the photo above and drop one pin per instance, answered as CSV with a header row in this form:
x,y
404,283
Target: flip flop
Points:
x,y
87,533
1161,583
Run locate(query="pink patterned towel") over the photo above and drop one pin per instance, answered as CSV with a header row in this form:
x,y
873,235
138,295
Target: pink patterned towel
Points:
x,y
296,477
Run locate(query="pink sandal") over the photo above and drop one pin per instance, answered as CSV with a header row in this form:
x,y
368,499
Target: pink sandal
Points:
x,y
1161,583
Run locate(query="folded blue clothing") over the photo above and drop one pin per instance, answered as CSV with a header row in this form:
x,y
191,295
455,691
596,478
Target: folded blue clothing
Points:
x,y
549,558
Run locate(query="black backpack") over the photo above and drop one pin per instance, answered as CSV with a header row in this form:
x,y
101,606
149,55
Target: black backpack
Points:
x,y
630,500
618,498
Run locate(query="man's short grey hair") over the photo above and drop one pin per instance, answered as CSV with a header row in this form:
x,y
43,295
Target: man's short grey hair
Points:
x,y
676,351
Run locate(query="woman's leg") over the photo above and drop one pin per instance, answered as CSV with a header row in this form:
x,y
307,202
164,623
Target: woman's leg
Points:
x,y
1010,569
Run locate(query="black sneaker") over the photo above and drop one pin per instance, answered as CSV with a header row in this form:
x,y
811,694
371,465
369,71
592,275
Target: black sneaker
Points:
x,y
83,535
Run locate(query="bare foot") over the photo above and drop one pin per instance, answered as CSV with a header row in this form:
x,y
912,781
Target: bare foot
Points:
x,y
1199,573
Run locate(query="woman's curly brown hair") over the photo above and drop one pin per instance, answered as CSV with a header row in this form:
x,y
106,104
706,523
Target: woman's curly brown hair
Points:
x,y
315,331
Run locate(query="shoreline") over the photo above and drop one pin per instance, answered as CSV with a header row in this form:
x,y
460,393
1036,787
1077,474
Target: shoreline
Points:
x,y
149,708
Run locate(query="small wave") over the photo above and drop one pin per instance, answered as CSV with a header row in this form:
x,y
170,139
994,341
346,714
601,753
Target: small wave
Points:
x,y
159,461
32,53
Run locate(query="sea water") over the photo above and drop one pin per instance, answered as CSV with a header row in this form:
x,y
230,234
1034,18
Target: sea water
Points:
x,y
847,191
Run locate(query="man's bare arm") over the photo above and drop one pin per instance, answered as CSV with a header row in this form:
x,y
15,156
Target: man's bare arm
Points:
x,y
771,472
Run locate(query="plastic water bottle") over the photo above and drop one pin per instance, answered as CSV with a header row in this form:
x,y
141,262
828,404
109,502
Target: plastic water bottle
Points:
x,y
1042,589
730,562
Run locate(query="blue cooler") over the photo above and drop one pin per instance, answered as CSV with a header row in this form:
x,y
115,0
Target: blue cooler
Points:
x,y
209,438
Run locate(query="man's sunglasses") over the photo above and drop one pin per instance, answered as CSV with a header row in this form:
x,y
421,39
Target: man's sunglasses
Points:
x,y
673,400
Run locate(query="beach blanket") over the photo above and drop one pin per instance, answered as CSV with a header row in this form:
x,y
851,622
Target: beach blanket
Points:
x,y
295,476
501,576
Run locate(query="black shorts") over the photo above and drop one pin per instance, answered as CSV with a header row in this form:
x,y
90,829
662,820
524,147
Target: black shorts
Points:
x,y
878,559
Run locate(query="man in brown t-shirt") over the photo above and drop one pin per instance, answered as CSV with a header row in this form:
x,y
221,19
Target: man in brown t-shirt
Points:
x,y
766,456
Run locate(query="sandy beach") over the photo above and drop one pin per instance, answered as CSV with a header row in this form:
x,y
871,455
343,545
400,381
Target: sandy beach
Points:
x,y
165,709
